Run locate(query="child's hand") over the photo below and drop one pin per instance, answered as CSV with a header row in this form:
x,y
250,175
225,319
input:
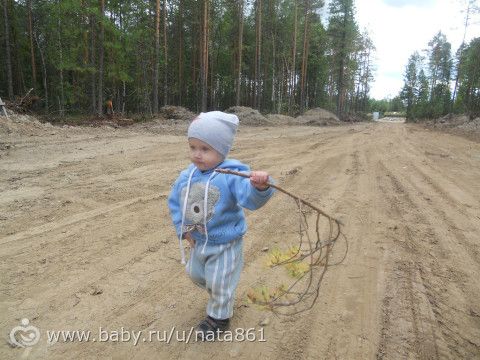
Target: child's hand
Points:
x,y
259,179
191,241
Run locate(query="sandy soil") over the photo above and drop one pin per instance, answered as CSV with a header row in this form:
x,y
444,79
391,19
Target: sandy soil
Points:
x,y
86,242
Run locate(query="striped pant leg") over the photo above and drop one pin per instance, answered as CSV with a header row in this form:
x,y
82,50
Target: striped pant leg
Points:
x,y
222,273
196,267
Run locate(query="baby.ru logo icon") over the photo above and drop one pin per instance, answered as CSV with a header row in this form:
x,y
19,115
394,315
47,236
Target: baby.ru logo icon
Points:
x,y
25,334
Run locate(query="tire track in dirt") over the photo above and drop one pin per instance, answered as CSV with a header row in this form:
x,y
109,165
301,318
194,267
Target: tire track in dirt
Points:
x,y
336,304
403,335
147,295
80,187
462,198
255,265
81,217
462,226
447,154
111,280
278,337
82,246
427,284
294,344
407,288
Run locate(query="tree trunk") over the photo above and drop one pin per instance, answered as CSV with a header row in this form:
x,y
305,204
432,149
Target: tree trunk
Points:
x,y
100,58
204,56
85,47
304,57
180,53
457,76
146,103
239,54
365,84
7,50
15,51
93,96
124,94
32,49
61,99
272,29
157,57
341,70
258,54
213,85
165,51
44,71
196,52
291,99
282,86
273,96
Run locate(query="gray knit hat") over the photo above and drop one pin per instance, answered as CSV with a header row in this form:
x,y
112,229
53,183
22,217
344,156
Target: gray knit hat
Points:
x,y
215,128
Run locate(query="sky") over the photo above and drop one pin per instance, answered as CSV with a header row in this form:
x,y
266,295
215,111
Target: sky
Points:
x,y
400,27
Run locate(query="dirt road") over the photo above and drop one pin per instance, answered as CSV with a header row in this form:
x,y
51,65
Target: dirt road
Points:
x,y
86,242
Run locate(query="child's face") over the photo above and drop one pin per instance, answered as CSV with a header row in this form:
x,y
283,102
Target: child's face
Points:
x,y
203,155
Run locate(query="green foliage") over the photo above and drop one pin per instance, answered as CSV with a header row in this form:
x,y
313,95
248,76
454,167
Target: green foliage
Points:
x,y
439,65
66,48
427,87
468,99
386,106
350,59
410,87
264,295
295,267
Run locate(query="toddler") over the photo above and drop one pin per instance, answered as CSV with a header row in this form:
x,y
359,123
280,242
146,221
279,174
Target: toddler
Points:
x,y
207,210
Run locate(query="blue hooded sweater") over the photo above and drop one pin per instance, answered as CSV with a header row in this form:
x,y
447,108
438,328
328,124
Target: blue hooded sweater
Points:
x,y
220,219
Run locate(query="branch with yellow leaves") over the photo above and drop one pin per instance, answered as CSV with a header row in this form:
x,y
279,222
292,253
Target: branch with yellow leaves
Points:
x,y
289,298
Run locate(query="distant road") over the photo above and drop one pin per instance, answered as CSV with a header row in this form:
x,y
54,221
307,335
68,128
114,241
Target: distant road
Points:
x,y
392,119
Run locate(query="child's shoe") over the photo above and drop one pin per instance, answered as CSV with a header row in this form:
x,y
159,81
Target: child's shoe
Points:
x,y
209,329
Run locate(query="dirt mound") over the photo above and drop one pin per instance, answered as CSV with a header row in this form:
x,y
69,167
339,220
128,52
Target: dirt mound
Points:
x,y
451,121
176,113
472,125
457,124
313,117
355,118
280,120
22,124
27,125
249,116
318,117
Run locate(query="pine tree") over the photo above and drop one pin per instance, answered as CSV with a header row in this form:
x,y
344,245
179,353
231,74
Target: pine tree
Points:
x,y
342,31
6,17
410,88
157,56
439,64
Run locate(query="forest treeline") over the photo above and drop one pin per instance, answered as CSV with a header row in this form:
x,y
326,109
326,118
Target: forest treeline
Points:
x,y
438,82
280,56
428,79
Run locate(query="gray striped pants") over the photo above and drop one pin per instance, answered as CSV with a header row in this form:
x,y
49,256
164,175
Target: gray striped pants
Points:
x,y
218,271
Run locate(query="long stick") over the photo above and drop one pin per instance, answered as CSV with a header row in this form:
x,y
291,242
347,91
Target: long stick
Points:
x,y
307,297
231,172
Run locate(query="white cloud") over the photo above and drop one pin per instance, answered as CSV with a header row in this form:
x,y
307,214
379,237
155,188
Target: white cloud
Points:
x,y
400,27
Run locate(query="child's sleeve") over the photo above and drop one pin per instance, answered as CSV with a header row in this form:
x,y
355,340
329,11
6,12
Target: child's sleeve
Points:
x,y
247,195
174,205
